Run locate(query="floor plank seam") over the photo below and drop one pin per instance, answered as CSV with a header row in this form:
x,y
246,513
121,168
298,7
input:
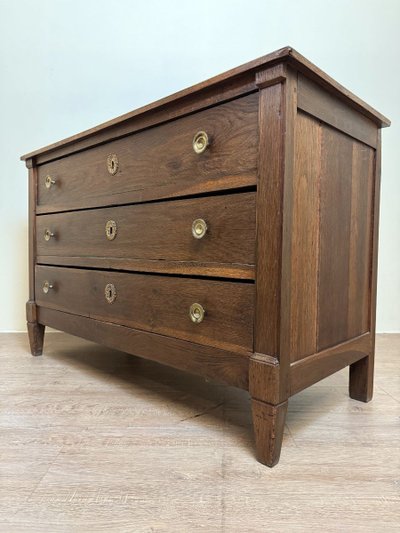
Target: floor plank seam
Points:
x,y
44,475
205,412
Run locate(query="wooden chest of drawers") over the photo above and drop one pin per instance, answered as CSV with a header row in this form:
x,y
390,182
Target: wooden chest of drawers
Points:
x,y
229,230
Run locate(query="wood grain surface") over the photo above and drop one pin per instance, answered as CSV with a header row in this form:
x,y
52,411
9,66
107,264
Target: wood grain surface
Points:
x,y
155,303
334,112
218,85
184,268
159,162
156,232
95,440
332,245
210,362
269,221
305,237
298,160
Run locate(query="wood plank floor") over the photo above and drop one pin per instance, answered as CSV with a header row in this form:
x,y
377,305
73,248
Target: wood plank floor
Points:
x,y
95,440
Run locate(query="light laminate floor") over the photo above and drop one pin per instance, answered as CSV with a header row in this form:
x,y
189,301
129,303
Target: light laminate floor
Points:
x,y
96,440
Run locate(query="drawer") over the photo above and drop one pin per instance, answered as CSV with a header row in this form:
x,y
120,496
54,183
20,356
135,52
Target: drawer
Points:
x,y
159,162
218,229
160,304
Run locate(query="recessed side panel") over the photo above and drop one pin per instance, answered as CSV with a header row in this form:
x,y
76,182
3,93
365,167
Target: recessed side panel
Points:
x,y
346,189
305,237
360,239
334,234
331,237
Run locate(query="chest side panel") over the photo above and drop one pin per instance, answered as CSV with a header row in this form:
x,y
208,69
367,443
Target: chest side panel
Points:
x,y
333,184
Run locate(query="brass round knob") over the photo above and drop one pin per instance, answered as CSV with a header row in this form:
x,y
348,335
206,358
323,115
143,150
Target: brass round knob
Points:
x,y
49,181
48,234
111,230
200,142
197,313
47,286
199,228
112,164
110,293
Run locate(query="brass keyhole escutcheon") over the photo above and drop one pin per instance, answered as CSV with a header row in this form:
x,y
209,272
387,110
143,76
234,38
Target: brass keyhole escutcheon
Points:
x,y
199,228
112,164
111,230
197,313
49,181
47,286
200,142
110,292
48,234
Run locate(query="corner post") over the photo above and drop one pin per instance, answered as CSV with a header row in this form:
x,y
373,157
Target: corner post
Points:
x,y
361,373
270,365
35,330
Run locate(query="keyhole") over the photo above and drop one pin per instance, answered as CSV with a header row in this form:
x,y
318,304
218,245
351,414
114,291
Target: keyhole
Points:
x,y
111,230
112,164
109,293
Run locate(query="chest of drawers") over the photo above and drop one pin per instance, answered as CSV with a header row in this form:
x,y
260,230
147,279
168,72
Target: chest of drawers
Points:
x,y
229,230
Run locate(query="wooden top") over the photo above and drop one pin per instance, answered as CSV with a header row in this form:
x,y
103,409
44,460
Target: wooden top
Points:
x,y
284,54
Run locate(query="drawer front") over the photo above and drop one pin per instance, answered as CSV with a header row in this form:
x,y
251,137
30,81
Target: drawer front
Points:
x,y
160,304
159,162
218,229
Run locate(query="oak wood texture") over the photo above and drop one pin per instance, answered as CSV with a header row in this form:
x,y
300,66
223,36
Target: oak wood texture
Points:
x,y
265,377
155,232
361,379
209,92
331,237
207,361
289,112
332,111
305,236
361,373
289,189
269,210
184,268
159,304
278,105
343,278
36,337
269,422
159,162
35,329
315,367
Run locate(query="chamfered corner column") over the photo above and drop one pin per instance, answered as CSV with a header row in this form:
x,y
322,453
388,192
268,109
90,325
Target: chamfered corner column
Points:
x,y
361,382
35,330
269,423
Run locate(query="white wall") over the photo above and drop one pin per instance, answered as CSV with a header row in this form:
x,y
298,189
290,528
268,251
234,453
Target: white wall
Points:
x,y
66,65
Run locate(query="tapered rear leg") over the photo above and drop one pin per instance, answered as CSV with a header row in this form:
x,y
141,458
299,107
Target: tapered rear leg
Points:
x,y
361,382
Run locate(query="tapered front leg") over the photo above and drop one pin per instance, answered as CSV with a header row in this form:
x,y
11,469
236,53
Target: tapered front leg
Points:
x,y
268,422
35,330
36,337
361,382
